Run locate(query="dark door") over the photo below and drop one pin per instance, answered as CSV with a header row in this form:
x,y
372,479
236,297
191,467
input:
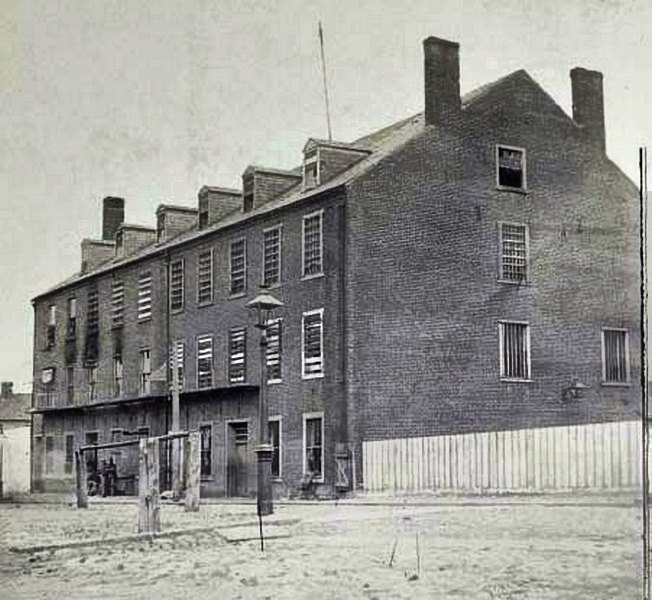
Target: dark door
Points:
x,y
237,459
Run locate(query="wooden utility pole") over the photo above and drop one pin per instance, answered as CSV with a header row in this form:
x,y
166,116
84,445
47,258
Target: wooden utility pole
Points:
x,y
81,477
192,471
175,457
644,383
149,517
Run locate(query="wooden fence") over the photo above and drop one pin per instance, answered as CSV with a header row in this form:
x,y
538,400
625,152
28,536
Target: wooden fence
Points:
x,y
597,456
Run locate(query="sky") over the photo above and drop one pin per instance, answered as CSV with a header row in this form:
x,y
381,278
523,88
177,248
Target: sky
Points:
x,y
151,100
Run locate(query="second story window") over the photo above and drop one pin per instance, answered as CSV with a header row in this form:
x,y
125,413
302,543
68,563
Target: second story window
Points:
x,y
72,317
513,252
272,256
177,353
117,303
615,356
117,376
204,361
273,352
176,285
145,371
312,245
91,348
144,308
91,379
205,277
510,168
237,354
312,344
514,350
51,336
238,266
70,385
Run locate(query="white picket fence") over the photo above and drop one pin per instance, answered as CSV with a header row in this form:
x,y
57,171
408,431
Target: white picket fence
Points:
x,y
597,456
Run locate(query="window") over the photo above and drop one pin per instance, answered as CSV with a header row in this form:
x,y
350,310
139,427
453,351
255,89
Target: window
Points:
x,y
237,352
272,256
145,371
92,439
52,326
275,441
273,351
615,356
52,315
117,376
91,348
310,172
313,455
237,259
206,448
70,385
312,341
72,317
205,277
514,350
49,454
144,309
70,453
91,377
116,453
117,304
513,252
510,167
312,245
204,361
176,285
178,348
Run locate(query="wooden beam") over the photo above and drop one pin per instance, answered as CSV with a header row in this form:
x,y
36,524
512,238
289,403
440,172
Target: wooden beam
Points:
x,y
149,517
192,471
81,480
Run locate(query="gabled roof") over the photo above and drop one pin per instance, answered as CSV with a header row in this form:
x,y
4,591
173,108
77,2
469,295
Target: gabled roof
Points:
x,y
378,144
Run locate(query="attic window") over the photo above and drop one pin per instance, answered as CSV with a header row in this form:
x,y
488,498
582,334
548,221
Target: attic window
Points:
x,y
310,172
510,168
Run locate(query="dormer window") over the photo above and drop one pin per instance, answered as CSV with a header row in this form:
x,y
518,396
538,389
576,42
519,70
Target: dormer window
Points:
x,y
310,172
510,168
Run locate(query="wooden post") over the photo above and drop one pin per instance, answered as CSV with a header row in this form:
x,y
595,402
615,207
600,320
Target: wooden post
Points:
x,y
175,454
192,471
81,480
149,518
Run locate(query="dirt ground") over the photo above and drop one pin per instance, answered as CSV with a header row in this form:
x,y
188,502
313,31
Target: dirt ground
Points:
x,y
476,550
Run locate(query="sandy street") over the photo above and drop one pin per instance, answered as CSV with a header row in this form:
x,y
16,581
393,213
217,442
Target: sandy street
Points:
x,y
478,550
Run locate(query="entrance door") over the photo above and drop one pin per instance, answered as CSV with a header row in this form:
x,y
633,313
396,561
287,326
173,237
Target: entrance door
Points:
x,y
237,459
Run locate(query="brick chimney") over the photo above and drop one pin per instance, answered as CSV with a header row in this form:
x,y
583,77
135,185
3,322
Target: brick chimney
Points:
x,y
113,215
7,389
588,105
442,81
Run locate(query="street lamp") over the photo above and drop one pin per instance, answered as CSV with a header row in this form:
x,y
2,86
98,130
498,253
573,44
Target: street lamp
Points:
x,y
574,391
264,304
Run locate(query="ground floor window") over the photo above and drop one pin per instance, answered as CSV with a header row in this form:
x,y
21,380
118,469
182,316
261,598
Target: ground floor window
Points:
x,y
313,446
206,450
92,439
615,356
70,453
49,454
275,440
514,350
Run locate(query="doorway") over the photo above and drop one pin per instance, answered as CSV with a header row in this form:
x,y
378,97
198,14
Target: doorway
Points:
x,y
237,459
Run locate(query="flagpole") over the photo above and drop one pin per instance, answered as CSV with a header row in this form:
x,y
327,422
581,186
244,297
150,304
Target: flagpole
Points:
x,y
323,69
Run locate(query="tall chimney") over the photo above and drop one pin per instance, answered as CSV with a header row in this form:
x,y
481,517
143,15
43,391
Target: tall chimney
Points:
x,y
442,81
7,389
113,215
588,105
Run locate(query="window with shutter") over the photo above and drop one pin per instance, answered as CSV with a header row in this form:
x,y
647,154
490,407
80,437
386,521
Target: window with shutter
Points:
x,y
312,344
205,277
238,267
204,361
145,296
176,285
237,355
117,304
273,351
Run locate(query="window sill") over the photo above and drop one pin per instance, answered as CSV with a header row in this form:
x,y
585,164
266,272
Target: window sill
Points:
x,y
313,376
274,381
317,479
523,282
271,286
238,295
146,320
313,276
176,311
616,384
515,380
236,381
206,479
506,188
204,304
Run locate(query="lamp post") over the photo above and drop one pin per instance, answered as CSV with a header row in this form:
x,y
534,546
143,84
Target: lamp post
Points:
x,y
264,304
574,391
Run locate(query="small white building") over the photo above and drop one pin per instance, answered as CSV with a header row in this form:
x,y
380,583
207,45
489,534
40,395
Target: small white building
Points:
x,y
15,426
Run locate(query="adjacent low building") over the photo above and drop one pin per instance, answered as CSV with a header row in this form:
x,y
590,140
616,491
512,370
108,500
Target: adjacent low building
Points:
x,y
15,440
455,284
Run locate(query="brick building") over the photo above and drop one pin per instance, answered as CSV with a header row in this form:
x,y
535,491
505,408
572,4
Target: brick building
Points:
x,y
473,268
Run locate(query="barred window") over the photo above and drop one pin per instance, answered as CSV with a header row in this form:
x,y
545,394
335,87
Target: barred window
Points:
x,y
615,352
313,447
145,371
117,303
237,354
513,252
205,277
514,350
274,426
510,167
179,348
92,311
176,285
145,296
312,342
204,361
238,257
272,256
273,352
312,244
205,432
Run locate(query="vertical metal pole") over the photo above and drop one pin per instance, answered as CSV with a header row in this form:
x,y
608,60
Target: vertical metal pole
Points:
x,y
644,399
175,454
264,450
323,67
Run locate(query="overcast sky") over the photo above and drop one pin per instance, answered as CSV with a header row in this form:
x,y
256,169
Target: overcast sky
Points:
x,y
150,100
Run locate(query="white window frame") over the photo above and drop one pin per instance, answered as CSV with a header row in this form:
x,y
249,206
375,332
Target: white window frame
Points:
x,y
504,377
501,278
278,228
212,277
233,294
201,338
306,417
523,188
627,381
319,213
279,320
174,349
117,303
304,375
144,301
279,419
312,160
183,285
229,356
